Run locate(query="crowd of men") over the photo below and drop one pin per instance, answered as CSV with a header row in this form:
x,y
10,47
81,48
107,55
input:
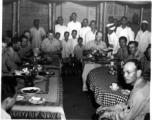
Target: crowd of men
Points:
x,y
75,40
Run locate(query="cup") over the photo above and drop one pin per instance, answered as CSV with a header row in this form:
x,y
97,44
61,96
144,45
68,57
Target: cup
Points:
x,y
114,85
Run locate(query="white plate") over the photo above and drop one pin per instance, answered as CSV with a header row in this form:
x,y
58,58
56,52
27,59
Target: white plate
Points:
x,y
113,89
36,90
126,92
36,101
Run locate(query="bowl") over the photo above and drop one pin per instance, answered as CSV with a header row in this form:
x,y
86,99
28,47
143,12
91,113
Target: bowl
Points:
x,y
30,90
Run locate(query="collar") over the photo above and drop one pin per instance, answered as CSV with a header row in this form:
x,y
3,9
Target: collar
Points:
x,y
140,83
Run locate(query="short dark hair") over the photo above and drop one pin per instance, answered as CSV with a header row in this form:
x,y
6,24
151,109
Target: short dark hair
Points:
x,y
74,31
86,19
8,87
80,38
27,31
74,13
23,36
36,20
124,38
16,40
124,17
98,32
60,17
50,31
66,32
57,33
133,42
92,21
136,62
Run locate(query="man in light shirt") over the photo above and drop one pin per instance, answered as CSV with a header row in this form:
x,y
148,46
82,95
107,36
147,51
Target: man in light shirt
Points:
x,y
8,95
143,37
60,27
113,40
92,33
138,103
37,34
85,28
74,25
50,44
123,30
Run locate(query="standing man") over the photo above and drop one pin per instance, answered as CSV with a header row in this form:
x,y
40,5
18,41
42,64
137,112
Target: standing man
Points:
x,y
123,30
92,33
85,28
138,104
37,34
74,25
60,27
143,37
135,26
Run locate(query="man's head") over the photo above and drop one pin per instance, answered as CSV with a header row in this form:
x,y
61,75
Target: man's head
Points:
x,y
60,20
16,44
57,35
4,46
80,40
93,24
66,35
50,34
148,52
27,34
85,22
123,42
135,18
111,20
8,94
36,22
124,21
133,46
24,41
74,33
132,71
144,25
98,36
74,16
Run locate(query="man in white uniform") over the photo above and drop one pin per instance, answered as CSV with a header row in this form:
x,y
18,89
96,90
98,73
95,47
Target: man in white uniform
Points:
x,y
74,25
60,27
113,40
138,103
92,33
123,30
143,37
84,29
37,34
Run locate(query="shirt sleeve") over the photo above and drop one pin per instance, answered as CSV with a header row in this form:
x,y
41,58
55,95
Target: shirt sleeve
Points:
x,y
11,64
43,32
134,107
43,46
86,38
87,46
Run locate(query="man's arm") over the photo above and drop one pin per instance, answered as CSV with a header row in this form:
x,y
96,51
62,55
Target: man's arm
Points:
x,y
11,64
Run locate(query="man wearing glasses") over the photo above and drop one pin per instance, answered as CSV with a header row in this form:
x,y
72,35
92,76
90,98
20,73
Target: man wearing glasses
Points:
x,y
8,66
138,104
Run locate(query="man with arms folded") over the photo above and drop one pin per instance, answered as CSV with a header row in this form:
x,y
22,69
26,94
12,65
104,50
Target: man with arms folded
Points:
x,y
60,27
92,33
123,30
8,66
138,104
8,95
143,37
74,25
85,28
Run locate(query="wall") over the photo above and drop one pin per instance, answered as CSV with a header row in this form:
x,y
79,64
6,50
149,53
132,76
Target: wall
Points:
x,y
7,19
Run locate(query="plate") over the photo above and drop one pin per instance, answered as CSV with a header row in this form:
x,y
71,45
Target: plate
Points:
x,y
30,90
33,101
113,89
125,92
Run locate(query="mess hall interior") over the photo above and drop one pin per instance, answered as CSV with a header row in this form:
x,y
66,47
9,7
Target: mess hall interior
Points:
x,y
76,59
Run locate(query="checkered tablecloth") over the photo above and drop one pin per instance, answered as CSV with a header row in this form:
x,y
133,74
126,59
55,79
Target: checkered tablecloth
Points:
x,y
99,81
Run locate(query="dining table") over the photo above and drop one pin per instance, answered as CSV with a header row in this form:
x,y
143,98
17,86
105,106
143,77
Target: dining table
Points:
x,y
100,80
51,90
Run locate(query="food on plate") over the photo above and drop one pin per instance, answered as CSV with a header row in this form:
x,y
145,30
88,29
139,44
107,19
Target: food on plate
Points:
x,y
36,100
30,91
20,97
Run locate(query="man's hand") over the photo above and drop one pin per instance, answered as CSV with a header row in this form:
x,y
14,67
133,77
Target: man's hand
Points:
x,y
105,115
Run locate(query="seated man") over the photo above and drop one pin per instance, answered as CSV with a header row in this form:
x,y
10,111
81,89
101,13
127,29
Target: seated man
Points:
x,y
25,50
8,66
134,52
51,44
146,63
97,44
122,52
8,95
138,103
13,49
